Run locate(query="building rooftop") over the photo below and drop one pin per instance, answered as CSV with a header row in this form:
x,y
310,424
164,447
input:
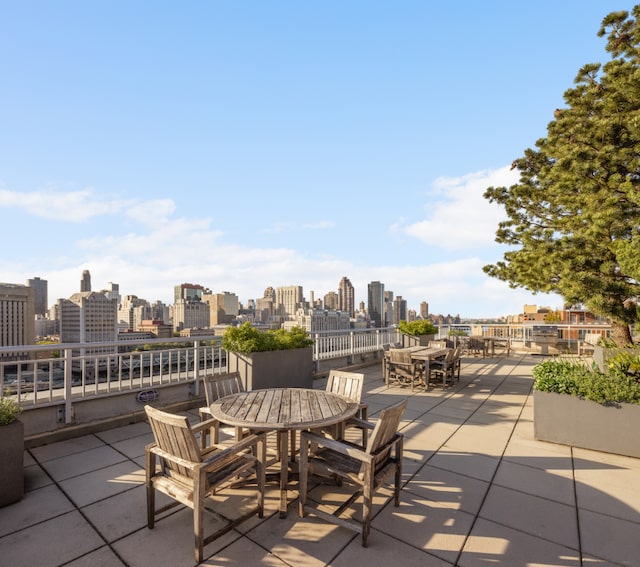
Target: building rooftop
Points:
x,y
479,491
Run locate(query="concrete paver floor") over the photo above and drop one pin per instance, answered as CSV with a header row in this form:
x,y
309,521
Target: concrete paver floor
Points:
x,y
478,491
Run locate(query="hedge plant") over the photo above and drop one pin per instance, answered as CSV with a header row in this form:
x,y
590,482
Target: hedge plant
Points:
x,y
9,411
417,327
578,379
246,339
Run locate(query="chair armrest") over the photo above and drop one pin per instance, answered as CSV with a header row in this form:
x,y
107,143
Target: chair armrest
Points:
x,y
153,448
358,422
227,453
197,428
337,446
204,411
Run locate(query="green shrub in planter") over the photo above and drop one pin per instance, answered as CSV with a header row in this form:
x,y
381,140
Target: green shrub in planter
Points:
x,y
417,327
9,411
578,379
246,339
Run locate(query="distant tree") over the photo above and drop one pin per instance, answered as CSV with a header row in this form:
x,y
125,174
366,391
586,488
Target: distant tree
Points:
x,y
574,216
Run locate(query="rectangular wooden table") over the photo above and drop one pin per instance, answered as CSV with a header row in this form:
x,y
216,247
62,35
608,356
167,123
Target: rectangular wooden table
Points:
x,y
283,410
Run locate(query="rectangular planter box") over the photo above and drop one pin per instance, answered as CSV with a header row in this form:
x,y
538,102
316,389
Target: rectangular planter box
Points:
x,y
416,340
11,463
291,368
565,419
601,355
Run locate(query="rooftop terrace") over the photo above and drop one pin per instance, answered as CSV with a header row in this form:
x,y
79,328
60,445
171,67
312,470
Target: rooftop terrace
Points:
x,y
479,490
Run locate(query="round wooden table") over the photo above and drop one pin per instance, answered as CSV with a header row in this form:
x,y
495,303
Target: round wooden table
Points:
x,y
283,410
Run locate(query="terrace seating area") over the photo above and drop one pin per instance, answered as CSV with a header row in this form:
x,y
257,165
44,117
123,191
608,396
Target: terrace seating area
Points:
x,y
477,490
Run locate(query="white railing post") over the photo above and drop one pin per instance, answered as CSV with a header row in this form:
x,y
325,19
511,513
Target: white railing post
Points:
x,y
68,383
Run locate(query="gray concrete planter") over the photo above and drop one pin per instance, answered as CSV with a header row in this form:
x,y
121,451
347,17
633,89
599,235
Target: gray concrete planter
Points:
x,y
601,355
416,340
569,420
11,463
291,368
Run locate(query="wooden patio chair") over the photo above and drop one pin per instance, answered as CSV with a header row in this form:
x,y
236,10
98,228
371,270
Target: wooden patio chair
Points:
x,y
448,368
218,386
368,468
177,466
403,368
348,384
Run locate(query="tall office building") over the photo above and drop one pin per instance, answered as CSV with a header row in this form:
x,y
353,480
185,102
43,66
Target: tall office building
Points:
x,y
190,314
399,310
17,315
40,288
346,297
424,310
375,303
288,300
189,292
85,282
331,301
223,307
89,317
133,311
113,292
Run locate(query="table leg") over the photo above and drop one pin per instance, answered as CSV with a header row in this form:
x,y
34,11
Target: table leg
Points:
x,y
284,471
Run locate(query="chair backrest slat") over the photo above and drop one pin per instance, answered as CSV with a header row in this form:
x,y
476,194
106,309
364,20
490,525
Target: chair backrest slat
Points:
x,y
400,356
347,384
386,426
218,386
173,435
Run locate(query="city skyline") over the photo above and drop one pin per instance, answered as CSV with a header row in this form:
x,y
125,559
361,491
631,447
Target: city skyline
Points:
x,y
247,146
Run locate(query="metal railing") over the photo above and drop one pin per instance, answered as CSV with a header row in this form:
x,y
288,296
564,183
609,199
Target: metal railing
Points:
x,y
54,374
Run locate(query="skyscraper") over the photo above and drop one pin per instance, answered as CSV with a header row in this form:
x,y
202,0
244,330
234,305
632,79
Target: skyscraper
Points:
x,y
346,297
17,319
85,282
375,305
41,291
288,300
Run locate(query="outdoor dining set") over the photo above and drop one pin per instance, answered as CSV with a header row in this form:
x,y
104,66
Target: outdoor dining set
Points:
x,y
309,433
426,366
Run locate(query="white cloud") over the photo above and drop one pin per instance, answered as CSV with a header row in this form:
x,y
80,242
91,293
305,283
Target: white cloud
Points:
x,y
149,257
458,215
73,206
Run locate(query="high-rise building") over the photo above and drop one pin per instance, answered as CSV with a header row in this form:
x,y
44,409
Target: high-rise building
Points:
x,y
40,288
89,317
375,303
288,300
190,314
85,282
424,310
132,311
399,310
17,315
346,297
189,292
113,292
223,307
331,301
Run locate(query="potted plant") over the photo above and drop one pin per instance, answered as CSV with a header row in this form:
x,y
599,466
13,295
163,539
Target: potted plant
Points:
x,y
418,332
269,359
11,452
576,404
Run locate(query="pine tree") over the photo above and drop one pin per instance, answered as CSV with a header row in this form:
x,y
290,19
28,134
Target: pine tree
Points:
x,y
574,215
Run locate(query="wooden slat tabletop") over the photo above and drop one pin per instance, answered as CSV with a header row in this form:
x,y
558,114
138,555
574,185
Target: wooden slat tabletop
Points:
x,y
283,408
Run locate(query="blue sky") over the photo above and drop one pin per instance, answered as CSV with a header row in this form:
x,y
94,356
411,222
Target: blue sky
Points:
x,y
246,144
